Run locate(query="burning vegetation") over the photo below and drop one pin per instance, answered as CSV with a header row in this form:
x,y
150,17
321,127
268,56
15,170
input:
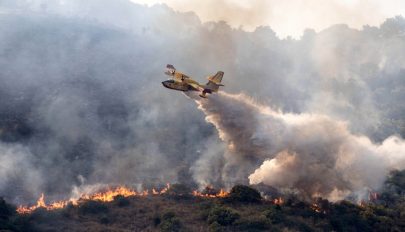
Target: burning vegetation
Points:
x,y
176,208
111,194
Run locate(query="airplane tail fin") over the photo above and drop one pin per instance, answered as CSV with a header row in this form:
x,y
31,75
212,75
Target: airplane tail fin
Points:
x,y
214,82
217,78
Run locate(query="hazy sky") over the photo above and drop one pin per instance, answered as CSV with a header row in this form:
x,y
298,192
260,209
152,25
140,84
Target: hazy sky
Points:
x,y
290,17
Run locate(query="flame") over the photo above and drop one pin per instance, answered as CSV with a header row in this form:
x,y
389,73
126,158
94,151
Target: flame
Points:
x,y
319,207
163,191
278,201
316,208
209,192
112,193
373,196
41,204
105,196
108,196
363,204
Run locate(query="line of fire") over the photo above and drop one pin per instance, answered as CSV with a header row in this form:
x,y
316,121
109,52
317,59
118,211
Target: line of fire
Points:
x,y
110,194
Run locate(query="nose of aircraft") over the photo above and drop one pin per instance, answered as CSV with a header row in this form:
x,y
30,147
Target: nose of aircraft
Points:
x,y
165,84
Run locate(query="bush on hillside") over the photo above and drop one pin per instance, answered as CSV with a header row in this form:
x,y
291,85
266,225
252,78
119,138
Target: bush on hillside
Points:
x,y
274,214
93,207
242,193
170,223
179,191
253,223
222,216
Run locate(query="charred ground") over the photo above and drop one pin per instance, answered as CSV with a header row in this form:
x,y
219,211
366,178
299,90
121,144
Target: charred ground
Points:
x,y
242,210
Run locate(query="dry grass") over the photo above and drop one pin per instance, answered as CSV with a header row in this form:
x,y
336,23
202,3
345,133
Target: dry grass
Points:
x,y
138,215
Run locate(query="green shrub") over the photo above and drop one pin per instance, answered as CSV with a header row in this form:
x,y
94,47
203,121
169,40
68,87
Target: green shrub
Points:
x,y
93,207
274,214
346,216
205,209
206,205
242,193
222,216
253,224
170,223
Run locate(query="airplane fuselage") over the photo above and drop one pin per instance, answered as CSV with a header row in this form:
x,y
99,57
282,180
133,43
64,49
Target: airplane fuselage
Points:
x,y
180,86
182,82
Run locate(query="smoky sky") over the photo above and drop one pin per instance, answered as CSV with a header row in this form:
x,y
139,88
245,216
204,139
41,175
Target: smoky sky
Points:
x,y
81,101
289,17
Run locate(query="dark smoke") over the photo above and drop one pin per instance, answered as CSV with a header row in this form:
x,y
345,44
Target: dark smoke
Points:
x,y
81,102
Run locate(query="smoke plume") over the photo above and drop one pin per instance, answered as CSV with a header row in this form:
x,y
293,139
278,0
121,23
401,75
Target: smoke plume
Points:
x,y
313,154
82,105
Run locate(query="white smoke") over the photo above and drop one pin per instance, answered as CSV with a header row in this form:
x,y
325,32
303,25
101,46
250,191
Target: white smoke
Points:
x,y
16,162
310,153
81,97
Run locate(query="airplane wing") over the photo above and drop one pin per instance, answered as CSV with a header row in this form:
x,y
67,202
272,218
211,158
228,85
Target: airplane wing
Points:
x,y
196,86
176,75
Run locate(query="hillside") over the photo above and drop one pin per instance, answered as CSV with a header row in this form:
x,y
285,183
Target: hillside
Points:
x,y
242,210
83,112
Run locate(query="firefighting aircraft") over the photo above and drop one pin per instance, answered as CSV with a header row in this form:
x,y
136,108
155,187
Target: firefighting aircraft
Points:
x,y
182,82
